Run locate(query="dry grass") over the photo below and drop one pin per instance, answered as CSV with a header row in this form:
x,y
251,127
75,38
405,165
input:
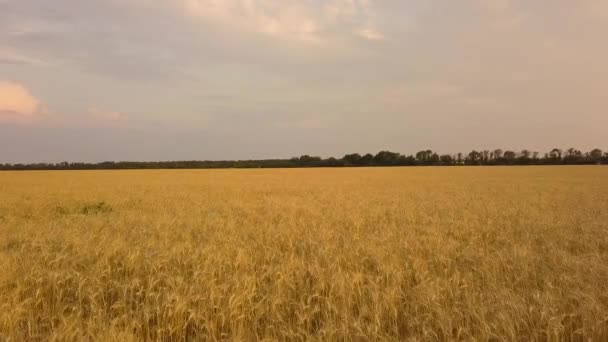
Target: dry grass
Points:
x,y
316,254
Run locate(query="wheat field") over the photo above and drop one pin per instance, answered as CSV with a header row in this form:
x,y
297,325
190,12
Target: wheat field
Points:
x,y
459,253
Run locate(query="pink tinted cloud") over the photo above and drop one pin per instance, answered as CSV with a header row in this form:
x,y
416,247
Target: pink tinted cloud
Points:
x,y
290,20
17,103
100,117
107,115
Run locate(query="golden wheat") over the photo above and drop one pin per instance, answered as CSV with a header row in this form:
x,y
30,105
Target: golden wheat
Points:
x,y
305,254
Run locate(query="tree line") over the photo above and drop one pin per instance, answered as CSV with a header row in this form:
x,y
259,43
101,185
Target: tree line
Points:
x,y
556,156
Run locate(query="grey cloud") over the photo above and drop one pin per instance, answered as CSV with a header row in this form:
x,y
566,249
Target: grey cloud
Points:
x,y
446,75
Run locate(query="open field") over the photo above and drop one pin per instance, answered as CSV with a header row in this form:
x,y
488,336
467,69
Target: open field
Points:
x,y
505,253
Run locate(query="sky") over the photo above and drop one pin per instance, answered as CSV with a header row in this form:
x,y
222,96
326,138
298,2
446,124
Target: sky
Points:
x,y
117,80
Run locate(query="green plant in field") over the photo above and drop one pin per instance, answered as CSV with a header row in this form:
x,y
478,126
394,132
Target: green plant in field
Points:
x,y
96,208
61,210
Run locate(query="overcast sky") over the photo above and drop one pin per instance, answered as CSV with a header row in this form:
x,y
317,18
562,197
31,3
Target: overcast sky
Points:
x,y
102,80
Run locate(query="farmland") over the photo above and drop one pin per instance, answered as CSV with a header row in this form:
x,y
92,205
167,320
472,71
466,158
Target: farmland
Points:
x,y
426,253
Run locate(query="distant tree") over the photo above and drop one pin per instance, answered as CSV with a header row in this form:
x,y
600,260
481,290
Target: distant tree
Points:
x,y
367,159
424,156
407,160
446,159
556,154
307,160
352,159
403,160
596,156
535,155
459,159
497,153
434,159
524,157
386,158
509,157
383,158
474,158
486,156
573,156
421,156
570,152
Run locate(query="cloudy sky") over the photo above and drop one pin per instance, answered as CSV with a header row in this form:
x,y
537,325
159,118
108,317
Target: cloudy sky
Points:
x,y
102,80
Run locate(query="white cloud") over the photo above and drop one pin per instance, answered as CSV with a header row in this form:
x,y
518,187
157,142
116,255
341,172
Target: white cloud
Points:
x,y
13,56
107,115
370,34
289,19
100,117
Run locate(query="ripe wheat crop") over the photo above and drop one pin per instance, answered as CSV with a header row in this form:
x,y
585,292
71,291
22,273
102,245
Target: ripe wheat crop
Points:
x,y
515,253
